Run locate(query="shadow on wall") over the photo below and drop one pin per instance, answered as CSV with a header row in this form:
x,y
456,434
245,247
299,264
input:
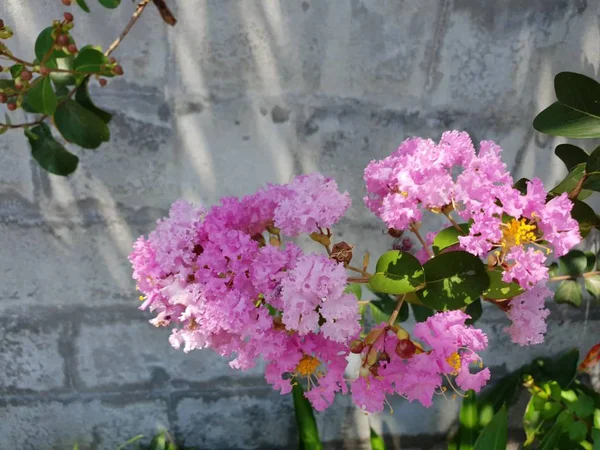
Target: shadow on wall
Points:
x,y
238,94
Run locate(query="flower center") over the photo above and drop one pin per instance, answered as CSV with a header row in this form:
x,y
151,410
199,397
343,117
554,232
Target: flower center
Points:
x,y
307,365
517,232
454,361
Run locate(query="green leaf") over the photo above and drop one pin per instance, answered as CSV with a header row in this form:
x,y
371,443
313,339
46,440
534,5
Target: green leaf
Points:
x,y
382,310
596,420
16,70
7,85
79,125
130,441
83,5
61,79
82,96
592,182
377,443
495,435
570,181
49,153
592,285
577,431
90,60
308,434
591,261
474,310
579,403
397,273
41,97
421,312
499,289
469,421
569,291
110,3
449,237
562,369
571,155
43,45
573,263
454,280
532,421
585,217
550,410
551,439
354,288
576,114
596,439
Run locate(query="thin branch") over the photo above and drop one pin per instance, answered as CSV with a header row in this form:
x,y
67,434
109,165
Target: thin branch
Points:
x,y
454,224
394,315
136,15
17,60
577,189
356,269
422,241
571,277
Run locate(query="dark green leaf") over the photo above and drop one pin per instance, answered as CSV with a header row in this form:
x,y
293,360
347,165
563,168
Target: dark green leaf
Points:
x,y
551,439
49,153
474,310
79,125
573,263
585,217
593,162
521,185
82,97
7,84
41,97
592,182
592,285
397,273
83,5
561,369
454,280
382,310
43,45
499,289
354,288
577,112
90,60
449,237
16,70
421,313
495,435
377,443
308,434
550,410
577,431
591,261
571,155
469,422
570,182
110,3
569,291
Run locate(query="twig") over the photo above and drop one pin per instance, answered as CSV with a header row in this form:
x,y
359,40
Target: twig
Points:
x,y
17,60
571,277
137,13
421,240
454,224
356,269
577,189
394,315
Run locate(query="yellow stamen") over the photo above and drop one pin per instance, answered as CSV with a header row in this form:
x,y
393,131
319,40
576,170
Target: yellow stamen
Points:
x,y
518,232
307,365
142,298
454,361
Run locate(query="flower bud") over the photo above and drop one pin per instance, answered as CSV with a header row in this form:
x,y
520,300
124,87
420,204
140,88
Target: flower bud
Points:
x,y
373,336
260,239
393,232
402,334
321,238
372,356
383,356
357,346
405,348
342,252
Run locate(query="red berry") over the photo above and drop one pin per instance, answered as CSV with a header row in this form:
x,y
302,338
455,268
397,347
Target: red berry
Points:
x,y
102,82
3,98
68,17
18,86
62,40
112,60
72,48
66,2
44,70
118,70
11,106
26,75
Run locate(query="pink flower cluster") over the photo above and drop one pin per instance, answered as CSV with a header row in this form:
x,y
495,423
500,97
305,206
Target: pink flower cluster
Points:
x,y
211,275
453,350
515,231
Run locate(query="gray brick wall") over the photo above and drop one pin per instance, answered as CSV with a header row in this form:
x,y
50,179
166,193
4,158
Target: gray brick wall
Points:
x,y
240,93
